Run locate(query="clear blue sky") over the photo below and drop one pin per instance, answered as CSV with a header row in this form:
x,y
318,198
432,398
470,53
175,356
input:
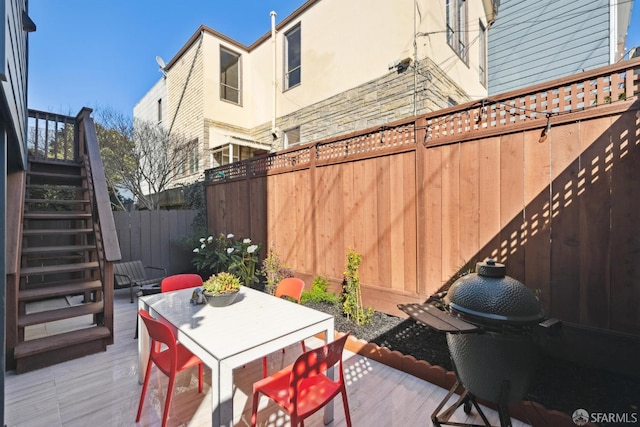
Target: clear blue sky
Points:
x,y
101,54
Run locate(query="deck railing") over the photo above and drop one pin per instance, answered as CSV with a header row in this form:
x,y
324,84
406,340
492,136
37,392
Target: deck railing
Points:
x,y
51,136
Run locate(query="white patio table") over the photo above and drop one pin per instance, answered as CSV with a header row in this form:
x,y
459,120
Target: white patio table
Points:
x,y
225,338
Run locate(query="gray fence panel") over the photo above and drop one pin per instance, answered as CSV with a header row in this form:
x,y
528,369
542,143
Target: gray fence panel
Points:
x,y
156,238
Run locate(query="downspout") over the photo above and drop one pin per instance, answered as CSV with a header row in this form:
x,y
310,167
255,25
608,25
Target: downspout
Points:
x,y
274,130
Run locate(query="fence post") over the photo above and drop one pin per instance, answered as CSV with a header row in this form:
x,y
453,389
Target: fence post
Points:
x,y
420,132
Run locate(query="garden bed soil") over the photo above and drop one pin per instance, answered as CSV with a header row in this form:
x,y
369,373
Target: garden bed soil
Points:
x,y
557,384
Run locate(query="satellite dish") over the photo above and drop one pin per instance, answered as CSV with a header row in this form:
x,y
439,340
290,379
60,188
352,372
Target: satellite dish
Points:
x,y
160,62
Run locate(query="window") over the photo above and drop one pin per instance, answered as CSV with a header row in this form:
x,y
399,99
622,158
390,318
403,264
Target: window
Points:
x,y
160,110
457,36
230,76
230,153
482,68
293,61
291,137
194,161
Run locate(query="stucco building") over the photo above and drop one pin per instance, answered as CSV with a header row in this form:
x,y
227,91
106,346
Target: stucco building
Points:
x,y
329,68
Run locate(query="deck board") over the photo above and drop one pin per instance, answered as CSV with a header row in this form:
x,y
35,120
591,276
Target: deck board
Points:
x,y
103,390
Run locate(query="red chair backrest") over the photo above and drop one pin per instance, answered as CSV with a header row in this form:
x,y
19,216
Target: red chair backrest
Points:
x,y
315,362
291,287
180,281
159,333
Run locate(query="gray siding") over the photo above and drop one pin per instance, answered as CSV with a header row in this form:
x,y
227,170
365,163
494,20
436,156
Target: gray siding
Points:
x,y
13,68
533,42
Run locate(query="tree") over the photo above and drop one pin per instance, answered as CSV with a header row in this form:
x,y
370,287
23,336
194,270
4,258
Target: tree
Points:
x,y
140,157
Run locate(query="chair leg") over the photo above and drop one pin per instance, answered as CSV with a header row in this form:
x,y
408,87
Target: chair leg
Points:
x,y
254,410
200,369
131,292
347,415
167,404
304,347
144,389
264,367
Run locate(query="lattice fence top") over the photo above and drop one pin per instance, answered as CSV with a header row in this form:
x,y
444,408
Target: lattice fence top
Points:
x,y
369,142
503,113
590,89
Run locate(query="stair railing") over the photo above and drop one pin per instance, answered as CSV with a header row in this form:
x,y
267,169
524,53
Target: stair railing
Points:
x,y
106,237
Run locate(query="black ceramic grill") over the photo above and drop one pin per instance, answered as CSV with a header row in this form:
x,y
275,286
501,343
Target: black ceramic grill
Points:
x,y
490,320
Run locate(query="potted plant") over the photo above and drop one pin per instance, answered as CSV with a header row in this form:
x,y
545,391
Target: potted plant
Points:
x,y
221,289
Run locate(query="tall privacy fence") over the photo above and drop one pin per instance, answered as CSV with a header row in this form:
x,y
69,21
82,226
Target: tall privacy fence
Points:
x,y
544,179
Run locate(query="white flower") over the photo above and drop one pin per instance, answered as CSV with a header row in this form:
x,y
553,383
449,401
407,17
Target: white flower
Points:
x,y
229,250
229,236
251,249
196,250
210,239
246,241
202,246
202,239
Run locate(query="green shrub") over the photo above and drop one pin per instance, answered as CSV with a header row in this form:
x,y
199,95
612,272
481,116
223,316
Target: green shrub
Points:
x,y
319,292
273,271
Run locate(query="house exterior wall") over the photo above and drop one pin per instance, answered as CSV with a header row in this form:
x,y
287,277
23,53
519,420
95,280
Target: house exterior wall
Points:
x,y
147,108
13,72
185,112
13,138
529,41
347,82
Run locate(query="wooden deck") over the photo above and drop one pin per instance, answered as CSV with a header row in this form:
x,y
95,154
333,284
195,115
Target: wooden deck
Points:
x,y
103,390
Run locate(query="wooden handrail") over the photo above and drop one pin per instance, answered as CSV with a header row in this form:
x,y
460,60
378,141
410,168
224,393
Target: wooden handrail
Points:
x,y
89,144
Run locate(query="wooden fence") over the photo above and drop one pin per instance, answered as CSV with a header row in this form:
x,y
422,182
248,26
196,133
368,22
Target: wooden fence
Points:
x,y
155,238
545,179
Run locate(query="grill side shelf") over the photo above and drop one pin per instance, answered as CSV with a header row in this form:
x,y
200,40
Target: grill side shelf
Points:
x,y
437,319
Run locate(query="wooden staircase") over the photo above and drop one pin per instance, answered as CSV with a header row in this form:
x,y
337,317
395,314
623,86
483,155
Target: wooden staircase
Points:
x,y
63,296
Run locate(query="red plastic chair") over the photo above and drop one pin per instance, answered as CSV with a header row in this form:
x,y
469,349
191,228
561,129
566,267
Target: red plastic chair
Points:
x,y
173,359
180,281
290,287
303,388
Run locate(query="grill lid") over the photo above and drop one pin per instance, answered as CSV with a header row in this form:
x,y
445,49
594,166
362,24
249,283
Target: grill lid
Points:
x,y
488,295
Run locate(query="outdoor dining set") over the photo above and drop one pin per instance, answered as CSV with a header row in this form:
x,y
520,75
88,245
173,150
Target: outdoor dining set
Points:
x,y
176,335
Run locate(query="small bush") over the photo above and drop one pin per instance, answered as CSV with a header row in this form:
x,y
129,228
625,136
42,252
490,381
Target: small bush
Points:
x,y
273,271
351,295
319,292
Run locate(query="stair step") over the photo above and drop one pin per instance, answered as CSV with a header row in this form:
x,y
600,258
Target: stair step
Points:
x,y
56,249
59,314
54,162
49,187
57,215
69,287
55,201
53,232
62,268
53,178
53,342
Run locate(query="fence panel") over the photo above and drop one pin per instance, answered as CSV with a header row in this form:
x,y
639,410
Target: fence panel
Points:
x,y
155,238
544,179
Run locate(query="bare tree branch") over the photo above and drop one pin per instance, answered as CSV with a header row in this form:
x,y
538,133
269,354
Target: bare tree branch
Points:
x,y
141,157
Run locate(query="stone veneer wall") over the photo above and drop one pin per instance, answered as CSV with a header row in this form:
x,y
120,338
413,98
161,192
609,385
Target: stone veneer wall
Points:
x,y
377,102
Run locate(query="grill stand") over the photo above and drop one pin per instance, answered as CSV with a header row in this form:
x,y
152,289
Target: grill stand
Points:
x,y
466,400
